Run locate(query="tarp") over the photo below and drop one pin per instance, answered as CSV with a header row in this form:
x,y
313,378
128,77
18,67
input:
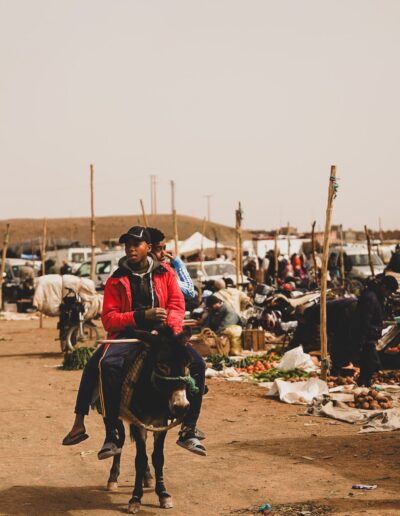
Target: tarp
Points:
x,y
300,393
196,242
52,288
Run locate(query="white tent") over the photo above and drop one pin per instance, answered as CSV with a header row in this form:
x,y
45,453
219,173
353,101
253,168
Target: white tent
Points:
x,y
196,242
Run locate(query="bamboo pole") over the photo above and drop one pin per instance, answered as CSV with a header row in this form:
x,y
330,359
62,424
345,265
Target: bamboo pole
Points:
x,y
288,240
175,227
323,318
92,222
342,271
276,258
145,221
3,262
371,265
239,245
202,242
43,260
314,255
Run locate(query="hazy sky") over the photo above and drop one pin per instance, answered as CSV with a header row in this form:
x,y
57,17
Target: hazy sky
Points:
x,y
248,100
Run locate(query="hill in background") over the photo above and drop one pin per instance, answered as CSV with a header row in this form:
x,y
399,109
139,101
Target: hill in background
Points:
x,y
112,227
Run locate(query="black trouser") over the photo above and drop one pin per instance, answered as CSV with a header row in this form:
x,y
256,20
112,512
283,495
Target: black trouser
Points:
x,y
89,380
111,368
369,363
197,371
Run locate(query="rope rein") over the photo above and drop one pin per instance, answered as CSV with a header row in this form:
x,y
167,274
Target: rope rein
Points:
x,y
188,380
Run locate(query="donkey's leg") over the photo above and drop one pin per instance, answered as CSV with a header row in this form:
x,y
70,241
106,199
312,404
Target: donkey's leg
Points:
x,y
112,483
140,467
158,463
148,480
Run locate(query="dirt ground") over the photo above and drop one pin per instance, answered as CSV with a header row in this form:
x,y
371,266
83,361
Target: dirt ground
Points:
x,y
259,450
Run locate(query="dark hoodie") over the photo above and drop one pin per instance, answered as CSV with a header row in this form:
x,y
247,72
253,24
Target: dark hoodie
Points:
x,y
142,289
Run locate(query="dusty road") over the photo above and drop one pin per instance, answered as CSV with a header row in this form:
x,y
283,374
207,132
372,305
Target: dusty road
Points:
x,y
256,449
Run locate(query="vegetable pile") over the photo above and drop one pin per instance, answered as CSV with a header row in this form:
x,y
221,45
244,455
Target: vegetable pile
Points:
x,y
393,350
290,375
218,362
334,381
77,359
370,399
389,377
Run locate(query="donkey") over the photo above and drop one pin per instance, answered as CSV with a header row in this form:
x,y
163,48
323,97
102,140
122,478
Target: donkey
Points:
x,y
159,395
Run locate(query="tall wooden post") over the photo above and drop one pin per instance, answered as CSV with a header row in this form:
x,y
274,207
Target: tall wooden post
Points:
x,y
288,240
314,255
276,257
175,227
323,319
145,221
43,259
371,265
202,242
239,245
92,222
342,270
3,262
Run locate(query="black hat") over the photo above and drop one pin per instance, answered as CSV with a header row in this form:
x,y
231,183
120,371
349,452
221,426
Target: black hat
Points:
x,y
156,235
390,282
138,233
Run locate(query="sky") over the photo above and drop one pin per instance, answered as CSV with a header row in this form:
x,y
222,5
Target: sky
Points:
x,y
245,100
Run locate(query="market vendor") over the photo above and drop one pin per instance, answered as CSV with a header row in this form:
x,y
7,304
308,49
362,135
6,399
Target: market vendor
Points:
x,y
369,324
220,315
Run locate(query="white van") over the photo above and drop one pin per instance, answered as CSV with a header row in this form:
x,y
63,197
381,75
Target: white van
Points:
x,y
104,265
75,256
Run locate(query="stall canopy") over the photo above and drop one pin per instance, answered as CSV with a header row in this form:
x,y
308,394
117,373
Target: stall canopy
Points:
x,y
196,242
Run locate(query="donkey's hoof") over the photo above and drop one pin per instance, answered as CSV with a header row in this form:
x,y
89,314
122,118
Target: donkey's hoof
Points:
x,y
133,507
112,486
166,502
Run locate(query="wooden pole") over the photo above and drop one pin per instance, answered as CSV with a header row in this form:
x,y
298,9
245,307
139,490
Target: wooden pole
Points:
x,y
288,240
342,271
323,319
239,252
202,242
43,259
145,221
175,227
371,265
3,262
314,255
276,257
92,222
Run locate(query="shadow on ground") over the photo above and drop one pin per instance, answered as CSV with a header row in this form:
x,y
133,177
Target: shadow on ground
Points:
x,y
47,500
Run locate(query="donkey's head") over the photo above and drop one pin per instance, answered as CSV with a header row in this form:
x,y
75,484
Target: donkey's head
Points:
x,y
170,368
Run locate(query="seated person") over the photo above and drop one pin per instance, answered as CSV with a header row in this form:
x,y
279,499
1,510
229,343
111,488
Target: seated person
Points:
x,y
220,315
142,293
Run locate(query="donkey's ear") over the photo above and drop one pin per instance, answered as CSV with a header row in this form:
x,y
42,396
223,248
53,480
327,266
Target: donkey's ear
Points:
x,y
145,336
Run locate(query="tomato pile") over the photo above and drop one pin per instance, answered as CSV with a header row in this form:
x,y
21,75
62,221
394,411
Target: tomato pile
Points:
x,y
257,367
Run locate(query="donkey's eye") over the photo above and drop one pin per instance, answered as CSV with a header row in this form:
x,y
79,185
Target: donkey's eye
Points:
x,y
164,369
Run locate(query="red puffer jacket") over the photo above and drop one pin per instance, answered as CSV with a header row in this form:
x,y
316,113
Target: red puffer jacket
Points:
x,y
117,306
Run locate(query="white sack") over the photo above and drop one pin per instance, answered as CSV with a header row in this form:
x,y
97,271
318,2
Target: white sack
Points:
x,y
300,393
385,421
296,358
52,288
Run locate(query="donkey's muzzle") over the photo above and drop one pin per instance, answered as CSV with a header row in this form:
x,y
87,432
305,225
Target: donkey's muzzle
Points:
x,y
178,404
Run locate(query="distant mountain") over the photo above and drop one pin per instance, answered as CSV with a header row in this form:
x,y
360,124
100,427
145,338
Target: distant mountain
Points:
x,y
111,227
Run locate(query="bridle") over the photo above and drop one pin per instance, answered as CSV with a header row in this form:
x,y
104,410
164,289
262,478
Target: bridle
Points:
x,y
188,380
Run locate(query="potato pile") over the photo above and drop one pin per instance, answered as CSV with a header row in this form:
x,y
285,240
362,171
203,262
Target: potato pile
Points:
x,y
388,377
369,399
334,381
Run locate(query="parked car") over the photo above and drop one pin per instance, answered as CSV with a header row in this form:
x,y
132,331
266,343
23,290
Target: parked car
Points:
x,y
73,255
357,263
15,288
104,265
201,272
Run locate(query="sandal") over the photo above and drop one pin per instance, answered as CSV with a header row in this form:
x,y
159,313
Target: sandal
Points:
x,y
109,449
193,445
70,440
189,441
